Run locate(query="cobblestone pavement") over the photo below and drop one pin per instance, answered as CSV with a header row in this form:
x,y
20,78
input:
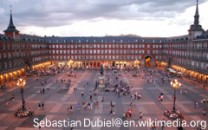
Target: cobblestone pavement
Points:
x,y
58,98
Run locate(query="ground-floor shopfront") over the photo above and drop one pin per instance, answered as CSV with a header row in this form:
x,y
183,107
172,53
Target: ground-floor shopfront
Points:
x,y
195,75
147,61
19,72
98,63
11,75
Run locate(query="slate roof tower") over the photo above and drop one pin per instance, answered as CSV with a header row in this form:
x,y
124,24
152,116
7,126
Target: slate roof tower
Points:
x,y
196,29
11,31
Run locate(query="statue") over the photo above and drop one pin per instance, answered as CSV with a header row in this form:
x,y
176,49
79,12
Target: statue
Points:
x,y
101,70
169,62
101,78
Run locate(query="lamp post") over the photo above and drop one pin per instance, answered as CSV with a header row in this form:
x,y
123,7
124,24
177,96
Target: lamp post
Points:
x,y
175,85
23,111
21,84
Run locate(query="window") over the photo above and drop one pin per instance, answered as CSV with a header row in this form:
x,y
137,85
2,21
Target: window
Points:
x,y
113,46
143,46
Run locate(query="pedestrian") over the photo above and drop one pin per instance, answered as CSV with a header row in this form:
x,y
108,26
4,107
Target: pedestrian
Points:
x,y
161,96
163,124
131,103
140,115
130,113
199,128
204,112
85,105
39,106
90,97
153,126
97,104
136,96
163,80
196,104
12,97
43,90
79,107
82,94
71,108
111,111
91,105
88,105
42,105
102,100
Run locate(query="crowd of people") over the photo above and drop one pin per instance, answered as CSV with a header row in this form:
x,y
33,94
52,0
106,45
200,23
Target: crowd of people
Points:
x,y
115,84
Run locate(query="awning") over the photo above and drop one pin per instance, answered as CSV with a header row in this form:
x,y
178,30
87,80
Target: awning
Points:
x,y
172,70
180,73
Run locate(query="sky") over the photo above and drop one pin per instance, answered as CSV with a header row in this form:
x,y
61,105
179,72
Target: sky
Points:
x,y
147,18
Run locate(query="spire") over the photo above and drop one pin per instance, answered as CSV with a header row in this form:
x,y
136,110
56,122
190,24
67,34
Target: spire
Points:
x,y
11,20
11,30
196,16
196,29
11,27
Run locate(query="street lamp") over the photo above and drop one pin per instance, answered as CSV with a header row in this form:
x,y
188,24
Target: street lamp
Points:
x,y
23,111
175,85
21,84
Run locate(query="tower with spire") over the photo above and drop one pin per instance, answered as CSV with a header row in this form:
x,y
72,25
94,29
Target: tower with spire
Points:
x,y
11,31
195,29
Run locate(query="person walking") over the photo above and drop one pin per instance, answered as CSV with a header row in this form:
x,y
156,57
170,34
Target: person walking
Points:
x,y
42,106
163,124
196,104
204,112
153,126
12,97
71,108
161,96
39,106
78,107
140,115
102,100
43,90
